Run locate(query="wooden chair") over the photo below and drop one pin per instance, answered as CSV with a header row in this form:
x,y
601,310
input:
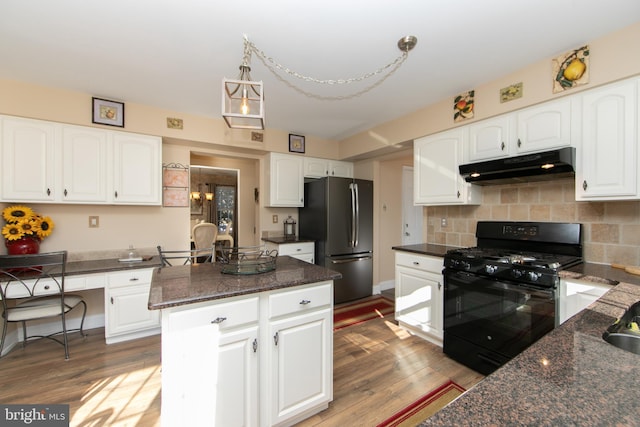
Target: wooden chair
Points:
x,y
191,256
36,282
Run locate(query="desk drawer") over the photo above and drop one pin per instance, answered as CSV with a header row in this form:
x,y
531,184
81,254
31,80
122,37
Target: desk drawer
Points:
x,y
132,277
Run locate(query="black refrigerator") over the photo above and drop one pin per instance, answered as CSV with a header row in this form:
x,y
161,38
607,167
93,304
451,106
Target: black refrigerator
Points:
x,y
338,216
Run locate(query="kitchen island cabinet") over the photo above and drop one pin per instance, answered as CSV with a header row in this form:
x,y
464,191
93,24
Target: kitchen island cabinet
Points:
x,y
252,350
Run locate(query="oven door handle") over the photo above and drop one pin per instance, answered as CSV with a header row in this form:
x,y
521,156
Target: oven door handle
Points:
x,y
489,360
464,279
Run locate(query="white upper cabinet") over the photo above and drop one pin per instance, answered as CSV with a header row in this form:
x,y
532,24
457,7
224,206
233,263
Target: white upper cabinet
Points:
x,y
437,180
137,169
543,127
607,164
28,160
318,168
85,164
491,139
285,180
58,163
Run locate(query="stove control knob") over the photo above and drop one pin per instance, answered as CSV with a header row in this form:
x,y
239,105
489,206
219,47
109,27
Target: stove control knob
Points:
x,y
533,276
490,269
517,273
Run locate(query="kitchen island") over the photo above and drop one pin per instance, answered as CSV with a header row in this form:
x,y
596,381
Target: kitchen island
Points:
x,y
245,349
570,377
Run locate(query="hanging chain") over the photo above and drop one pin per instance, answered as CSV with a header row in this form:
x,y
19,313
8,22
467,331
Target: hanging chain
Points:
x,y
272,65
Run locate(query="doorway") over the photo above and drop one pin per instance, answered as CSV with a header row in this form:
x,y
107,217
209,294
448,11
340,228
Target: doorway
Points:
x,y
217,198
411,215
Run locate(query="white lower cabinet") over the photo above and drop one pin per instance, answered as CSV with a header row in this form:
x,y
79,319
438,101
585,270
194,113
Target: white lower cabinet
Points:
x,y
126,313
256,360
576,295
419,295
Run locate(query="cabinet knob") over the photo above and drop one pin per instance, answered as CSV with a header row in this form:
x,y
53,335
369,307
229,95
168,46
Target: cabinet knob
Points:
x,y
255,345
502,146
111,300
116,194
134,279
416,263
584,185
305,302
275,339
458,194
48,191
218,320
65,192
519,143
439,285
46,287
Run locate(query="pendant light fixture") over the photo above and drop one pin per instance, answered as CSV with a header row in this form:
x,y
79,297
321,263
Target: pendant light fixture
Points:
x,y
243,99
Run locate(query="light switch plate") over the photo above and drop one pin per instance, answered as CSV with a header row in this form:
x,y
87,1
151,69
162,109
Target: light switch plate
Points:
x,y
94,221
275,219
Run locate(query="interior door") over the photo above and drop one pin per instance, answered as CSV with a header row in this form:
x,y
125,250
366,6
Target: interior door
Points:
x,y
411,214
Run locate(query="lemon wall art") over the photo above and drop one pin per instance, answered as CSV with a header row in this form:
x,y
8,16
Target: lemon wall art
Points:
x,y
571,69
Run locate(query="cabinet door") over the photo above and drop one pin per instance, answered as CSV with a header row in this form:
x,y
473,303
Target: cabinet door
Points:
x,y
544,127
437,180
341,169
137,169
84,159
315,168
28,160
127,311
210,376
419,300
608,164
301,371
286,180
490,139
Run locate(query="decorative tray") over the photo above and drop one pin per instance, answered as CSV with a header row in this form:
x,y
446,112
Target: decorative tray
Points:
x,y
248,260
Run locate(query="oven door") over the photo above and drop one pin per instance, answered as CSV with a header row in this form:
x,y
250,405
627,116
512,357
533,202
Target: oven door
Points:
x,y
488,322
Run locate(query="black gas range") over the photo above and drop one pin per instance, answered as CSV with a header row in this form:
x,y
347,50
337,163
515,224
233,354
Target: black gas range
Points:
x,y
500,296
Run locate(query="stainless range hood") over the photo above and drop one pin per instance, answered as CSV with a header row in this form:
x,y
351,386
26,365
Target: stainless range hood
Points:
x,y
529,167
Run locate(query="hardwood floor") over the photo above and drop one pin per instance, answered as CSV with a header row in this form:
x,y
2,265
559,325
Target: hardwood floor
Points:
x,y
378,370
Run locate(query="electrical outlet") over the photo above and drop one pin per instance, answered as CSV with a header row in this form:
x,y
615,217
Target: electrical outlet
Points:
x,y
443,222
94,221
275,219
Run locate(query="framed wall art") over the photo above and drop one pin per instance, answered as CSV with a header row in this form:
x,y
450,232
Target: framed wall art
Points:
x,y
296,143
107,112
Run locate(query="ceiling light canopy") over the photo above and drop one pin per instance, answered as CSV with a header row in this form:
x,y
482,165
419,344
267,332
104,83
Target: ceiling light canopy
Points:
x,y
243,99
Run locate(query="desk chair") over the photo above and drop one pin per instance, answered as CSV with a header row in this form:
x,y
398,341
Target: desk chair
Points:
x,y
36,282
192,256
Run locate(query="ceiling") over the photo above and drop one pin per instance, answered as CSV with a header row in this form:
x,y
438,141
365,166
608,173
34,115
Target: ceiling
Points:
x,y
174,54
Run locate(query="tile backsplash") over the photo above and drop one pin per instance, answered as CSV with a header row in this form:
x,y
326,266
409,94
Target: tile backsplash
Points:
x,y
611,230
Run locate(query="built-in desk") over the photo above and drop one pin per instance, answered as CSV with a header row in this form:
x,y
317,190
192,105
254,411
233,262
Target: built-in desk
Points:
x,y
123,308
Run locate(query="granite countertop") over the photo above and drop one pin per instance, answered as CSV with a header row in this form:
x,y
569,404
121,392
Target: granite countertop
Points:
x,y
108,265
180,285
279,240
425,249
569,377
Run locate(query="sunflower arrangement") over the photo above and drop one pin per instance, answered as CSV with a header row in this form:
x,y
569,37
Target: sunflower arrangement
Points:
x,y
22,222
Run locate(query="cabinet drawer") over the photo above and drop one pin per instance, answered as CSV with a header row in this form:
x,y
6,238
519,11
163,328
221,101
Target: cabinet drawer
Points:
x,y
226,315
132,277
421,262
296,248
300,300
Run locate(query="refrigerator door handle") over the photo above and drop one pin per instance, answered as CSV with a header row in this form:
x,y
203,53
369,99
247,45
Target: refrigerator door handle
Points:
x,y
356,234
353,215
346,260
